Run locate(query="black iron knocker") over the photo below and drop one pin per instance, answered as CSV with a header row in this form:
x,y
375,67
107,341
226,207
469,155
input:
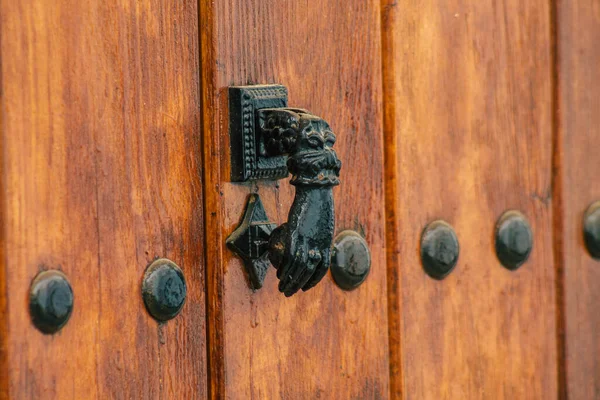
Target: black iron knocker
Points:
x,y
268,140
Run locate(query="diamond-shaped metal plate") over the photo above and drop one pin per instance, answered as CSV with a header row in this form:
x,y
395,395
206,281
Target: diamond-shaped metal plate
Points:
x,y
250,241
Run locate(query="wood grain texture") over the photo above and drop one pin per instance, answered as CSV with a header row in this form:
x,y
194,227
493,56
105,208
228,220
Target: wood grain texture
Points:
x,y
468,111
324,343
101,173
577,165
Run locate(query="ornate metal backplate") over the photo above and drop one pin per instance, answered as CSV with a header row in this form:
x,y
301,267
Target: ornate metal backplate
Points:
x,y
249,160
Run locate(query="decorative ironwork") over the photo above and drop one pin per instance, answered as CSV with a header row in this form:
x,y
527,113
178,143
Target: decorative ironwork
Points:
x,y
248,162
350,261
299,249
250,241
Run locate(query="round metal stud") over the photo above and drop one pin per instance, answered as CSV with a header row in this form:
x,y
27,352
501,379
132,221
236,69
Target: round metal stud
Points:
x,y
591,229
439,249
350,260
163,289
514,239
50,301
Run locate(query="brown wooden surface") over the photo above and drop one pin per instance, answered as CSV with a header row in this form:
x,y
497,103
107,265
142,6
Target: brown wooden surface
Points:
x,y
101,172
577,186
468,104
325,342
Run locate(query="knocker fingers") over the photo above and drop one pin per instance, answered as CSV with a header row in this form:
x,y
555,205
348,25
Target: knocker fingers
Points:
x,y
320,272
294,264
305,274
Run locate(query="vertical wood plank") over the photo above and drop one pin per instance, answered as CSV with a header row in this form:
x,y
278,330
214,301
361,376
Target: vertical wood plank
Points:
x,y
324,343
101,173
577,165
468,111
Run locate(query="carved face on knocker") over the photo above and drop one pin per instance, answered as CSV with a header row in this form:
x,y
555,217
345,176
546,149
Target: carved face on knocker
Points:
x,y
312,160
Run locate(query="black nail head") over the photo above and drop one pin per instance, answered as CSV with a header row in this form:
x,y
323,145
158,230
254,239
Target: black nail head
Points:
x,y
350,260
50,301
439,249
591,230
164,289
514,239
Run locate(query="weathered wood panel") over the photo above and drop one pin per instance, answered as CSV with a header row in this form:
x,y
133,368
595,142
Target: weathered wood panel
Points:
x,y
577,164
323,343
101,173
468,105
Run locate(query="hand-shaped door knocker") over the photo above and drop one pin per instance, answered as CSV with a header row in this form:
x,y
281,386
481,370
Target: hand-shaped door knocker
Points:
x,y
267,141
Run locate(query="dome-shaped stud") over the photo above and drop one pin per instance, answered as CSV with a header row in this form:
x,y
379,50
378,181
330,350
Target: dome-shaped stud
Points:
x,y
514,239
439,249
350,260
591,230
50,301
164,289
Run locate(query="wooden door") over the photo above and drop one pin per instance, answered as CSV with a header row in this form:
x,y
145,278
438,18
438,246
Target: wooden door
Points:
x,y
101,173
116,151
